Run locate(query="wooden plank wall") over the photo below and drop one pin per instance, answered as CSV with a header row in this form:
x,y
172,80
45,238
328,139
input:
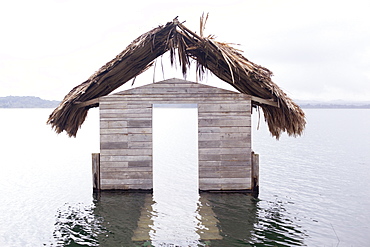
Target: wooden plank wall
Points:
x,y
224,145
224,135
125,145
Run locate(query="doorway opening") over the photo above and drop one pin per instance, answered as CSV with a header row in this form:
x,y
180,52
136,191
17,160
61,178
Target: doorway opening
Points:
x,y
175,146
175,172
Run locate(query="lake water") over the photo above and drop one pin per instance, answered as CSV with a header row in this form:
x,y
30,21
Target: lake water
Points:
x,y
314,190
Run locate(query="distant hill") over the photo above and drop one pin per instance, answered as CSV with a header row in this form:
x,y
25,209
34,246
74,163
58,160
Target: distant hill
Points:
x,y
26,102
335,104
36,102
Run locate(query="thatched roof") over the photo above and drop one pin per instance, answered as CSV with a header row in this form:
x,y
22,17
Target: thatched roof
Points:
x,y
224,61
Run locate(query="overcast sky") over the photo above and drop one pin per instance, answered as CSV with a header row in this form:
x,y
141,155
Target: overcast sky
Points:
x,y
318,50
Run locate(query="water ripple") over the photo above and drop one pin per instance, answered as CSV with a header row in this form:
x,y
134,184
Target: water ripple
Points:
x,y
275,227
76,225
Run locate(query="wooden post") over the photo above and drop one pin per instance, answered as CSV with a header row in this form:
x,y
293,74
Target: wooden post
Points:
x,y
255,174
96,171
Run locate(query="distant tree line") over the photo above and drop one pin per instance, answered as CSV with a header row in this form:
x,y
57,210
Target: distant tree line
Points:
x,y
36,102
27,102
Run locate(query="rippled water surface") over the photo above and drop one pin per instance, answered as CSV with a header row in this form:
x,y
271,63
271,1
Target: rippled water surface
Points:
x,y
314,190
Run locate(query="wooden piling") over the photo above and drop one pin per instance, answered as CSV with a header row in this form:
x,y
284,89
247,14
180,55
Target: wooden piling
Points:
x,y
255,174
96,171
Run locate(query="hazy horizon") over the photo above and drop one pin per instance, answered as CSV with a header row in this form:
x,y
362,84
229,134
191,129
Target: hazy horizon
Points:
x,y
299,101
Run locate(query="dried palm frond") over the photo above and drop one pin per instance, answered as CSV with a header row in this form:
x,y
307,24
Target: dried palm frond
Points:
x,y
226,62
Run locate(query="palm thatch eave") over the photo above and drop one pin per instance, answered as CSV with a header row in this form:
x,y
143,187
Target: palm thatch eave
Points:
x,y
224,61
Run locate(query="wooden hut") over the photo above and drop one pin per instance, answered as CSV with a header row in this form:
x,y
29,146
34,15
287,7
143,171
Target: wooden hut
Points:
x,y
224,135
251,80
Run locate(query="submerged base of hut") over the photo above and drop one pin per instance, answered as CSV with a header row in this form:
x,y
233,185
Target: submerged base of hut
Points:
x,y
253,189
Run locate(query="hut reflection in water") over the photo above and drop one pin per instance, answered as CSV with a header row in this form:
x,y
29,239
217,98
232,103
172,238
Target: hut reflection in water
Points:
x,y
128,219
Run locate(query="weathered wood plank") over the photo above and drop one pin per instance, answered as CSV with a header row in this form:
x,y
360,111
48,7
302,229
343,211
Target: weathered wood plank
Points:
x,y
226,107
224,157
235,143
223,130
147,137
125,158
126,169
222,168
140,130
204,97
112,124
184,85
224,122
147,144
113,131
224,186
233,129
140,163
244,163
114,165
227,164
209,136
212,186
209,163
139,123
114,138
113,145
176,84
223,143
242,150
127,175
207,129
124,117
224,180
214,157
226,174
129,139
125,131
120,103
227,117
224,136
209,144
242,158
113,119
127,151
146,111
234,114
271,102
127,181
212,172
235,157
174,100
114,186
232,186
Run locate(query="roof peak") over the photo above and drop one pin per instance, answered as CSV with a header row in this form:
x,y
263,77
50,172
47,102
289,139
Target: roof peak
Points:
x,y
175,80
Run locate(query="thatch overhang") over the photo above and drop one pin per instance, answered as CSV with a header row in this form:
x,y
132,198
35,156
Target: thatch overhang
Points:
x,y
224,61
